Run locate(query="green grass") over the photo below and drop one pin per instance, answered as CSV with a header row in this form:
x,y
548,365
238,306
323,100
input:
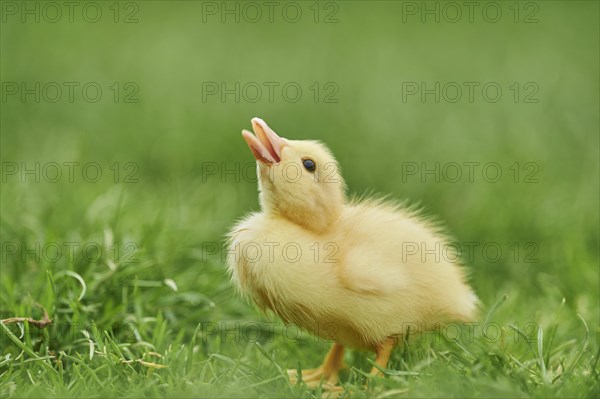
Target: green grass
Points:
x,y
161,300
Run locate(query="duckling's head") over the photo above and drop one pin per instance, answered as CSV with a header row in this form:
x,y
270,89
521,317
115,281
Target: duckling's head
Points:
x,y
297,179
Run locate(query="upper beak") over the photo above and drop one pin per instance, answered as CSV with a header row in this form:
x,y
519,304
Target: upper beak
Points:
x,y
266,145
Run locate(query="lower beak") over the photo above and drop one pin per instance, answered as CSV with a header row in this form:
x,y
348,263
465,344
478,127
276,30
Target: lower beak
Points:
x,y
266,145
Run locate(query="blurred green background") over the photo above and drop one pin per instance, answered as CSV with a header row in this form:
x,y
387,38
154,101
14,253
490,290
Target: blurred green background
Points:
x,y
171,142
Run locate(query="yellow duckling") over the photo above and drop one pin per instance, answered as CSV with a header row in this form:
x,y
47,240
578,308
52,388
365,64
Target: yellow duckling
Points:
x,y
360,273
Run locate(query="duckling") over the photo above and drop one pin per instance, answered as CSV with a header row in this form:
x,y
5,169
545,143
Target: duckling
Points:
x,y
361,273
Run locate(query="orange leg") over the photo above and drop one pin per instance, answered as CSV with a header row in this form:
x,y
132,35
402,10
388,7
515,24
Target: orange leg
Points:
x,y
384,350
328,371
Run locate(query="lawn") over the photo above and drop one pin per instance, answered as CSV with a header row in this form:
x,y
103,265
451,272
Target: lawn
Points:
x,y
123,169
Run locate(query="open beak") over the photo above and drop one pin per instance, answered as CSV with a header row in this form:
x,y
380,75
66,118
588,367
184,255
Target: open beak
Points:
x,y
266,145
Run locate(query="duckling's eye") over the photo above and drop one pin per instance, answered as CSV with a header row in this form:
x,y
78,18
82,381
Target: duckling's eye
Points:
x,y
309,165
